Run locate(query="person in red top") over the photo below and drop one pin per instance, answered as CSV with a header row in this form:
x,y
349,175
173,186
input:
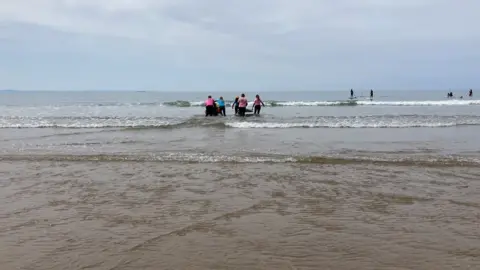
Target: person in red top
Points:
x,y
257,105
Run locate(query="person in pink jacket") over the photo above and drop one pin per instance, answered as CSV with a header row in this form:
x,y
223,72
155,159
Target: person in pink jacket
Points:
x,y
242,105
257,105
209,106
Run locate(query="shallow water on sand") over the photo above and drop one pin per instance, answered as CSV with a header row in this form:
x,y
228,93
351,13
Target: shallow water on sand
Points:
x,y
151,215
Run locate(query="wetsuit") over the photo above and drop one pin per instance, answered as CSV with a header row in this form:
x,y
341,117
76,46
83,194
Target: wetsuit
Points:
x,y
221,106
242,106
209,107
235,104
257,105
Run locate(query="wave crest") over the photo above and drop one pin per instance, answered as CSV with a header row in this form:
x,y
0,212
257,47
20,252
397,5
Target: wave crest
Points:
x,y
373,121
273,158
352,102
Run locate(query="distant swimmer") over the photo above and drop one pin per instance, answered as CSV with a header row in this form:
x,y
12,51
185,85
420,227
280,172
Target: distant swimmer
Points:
x,y
221,106
257,105
242,105
470,93
235,104
209,106
371,94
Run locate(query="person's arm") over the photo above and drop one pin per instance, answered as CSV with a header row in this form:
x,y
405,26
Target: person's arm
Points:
x,y
263,104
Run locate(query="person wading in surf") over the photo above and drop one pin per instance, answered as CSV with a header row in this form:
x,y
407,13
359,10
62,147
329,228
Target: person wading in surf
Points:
x,y
221,106
209,106
242,105
257,105
235,104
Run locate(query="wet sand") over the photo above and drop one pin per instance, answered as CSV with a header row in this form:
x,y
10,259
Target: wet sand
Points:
x,y
171,215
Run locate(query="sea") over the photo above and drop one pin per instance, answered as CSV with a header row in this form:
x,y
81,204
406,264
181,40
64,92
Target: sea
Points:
x,y
143,180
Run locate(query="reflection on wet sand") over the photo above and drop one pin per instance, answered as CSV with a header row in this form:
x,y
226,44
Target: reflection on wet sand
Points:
x,y
151,215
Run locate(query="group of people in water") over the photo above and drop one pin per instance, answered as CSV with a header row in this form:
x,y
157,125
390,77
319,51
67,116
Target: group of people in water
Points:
x,y
215,107
450,94
352,95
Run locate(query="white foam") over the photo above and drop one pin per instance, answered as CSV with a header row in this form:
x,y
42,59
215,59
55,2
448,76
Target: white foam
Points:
x,y
110,123
453,102
381,103
206,158
197,103
336,125
314,103
347,102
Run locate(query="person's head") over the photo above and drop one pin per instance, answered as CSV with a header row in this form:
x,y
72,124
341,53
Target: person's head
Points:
x,y
221,98
209,96
243,95
257,96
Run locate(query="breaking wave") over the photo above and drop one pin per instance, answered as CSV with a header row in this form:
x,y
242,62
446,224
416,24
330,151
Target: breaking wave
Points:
x,y
269,103
273,103
424,161
374,121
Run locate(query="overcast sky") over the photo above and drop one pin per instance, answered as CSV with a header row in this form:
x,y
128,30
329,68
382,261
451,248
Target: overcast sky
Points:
x,y
239,44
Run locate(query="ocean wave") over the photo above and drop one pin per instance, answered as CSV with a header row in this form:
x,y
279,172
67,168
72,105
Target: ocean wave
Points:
x,y
373,103
339,125
268,103
422,161
108,122
353,102
421,103
372,121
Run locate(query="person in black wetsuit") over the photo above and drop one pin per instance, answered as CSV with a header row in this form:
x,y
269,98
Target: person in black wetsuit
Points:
x,y
351,93
371,94
470,93
216,109
235,105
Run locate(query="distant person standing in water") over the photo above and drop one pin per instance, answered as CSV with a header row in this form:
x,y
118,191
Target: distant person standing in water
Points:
x,y
371,94
351,93
470,93
257,105
242,105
